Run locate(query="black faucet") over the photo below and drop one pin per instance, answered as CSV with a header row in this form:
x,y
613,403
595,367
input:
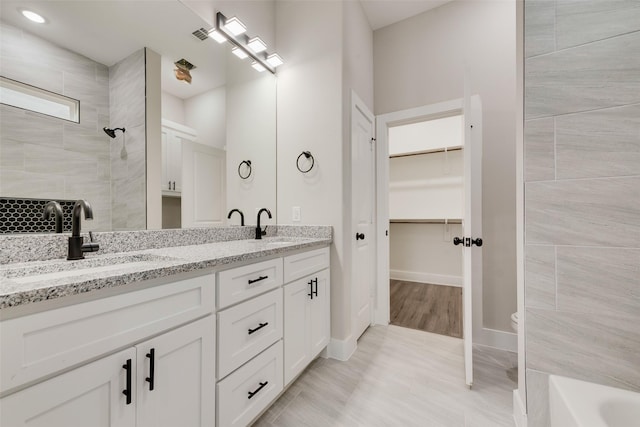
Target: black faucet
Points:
x,y
241,215
259,232
53,207
77,247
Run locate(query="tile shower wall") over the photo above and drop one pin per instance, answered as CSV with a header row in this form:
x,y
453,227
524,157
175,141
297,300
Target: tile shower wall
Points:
x,y
128,173
582,195
44,157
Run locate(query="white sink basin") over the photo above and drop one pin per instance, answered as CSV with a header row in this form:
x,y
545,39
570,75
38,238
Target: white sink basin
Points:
x,y
575,403
59,269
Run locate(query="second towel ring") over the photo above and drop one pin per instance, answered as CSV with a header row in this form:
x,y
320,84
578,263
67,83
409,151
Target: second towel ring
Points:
x,y
248,174
308,155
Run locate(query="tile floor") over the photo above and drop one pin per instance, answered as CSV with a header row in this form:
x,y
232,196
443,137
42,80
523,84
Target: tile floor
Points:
x,y
400,377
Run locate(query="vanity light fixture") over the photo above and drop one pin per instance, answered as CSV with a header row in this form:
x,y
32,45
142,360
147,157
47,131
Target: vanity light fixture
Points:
x,y
254,47
32,16
257,45
217,36
235,26
239,52
274,60
258,66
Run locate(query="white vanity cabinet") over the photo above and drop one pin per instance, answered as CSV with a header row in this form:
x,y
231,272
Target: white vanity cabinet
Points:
x,y
306,310
65,357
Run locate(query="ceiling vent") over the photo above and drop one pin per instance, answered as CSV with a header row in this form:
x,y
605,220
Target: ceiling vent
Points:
x,y
201,34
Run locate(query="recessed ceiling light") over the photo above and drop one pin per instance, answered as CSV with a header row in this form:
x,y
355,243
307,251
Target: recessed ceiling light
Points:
x,y
257,45
258,66
239,52
217,36
274,60
32,16
235,26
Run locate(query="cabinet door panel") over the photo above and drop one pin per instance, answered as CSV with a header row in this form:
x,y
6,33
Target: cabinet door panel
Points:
x,y
90,395
320,316
183,377
296,321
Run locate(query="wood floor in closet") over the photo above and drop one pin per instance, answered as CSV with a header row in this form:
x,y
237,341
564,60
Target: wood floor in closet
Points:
x,y
427,307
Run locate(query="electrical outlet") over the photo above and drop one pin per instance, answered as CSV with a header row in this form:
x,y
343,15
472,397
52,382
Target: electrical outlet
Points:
x,y
295,214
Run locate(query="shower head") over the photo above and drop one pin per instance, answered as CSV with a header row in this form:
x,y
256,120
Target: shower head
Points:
x,y
112,132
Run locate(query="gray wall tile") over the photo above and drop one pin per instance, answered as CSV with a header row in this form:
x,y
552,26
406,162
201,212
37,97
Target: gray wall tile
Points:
x,y
540,276
597,75
584,21
598,143
539,151
601,348
600,280
539,27
587,212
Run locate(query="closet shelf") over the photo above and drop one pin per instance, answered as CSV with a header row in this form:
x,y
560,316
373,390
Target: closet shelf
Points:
x,y
426,221
431,151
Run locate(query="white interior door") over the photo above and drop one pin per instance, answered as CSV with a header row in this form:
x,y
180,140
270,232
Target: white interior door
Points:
x,y
203,185
362,197
472,221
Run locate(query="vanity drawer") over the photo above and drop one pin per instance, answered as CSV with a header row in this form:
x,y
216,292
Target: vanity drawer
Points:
x,y
247,329
249,390
305,263
41,344
241,283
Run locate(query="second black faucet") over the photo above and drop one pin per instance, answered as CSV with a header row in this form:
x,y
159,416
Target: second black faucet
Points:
x,y
259,231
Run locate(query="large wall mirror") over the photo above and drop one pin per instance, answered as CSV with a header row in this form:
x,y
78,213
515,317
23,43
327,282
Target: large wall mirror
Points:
x,y
118,59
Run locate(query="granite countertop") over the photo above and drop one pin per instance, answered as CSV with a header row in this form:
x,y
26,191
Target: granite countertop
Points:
x,y
29,282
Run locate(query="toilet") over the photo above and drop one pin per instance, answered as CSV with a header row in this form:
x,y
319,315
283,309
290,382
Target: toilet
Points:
x,y
514,321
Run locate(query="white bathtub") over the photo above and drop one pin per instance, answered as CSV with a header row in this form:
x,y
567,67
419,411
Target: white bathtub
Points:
x,y
576,403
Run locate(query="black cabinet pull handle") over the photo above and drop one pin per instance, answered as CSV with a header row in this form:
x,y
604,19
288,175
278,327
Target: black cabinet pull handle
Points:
x,y
174,185
152,365
127,390
258,279
311,291
458,241
260,326
477,242
169,185
253,393
359,236
467,241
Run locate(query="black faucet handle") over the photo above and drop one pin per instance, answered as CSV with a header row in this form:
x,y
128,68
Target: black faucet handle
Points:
x,y
92,245
264,231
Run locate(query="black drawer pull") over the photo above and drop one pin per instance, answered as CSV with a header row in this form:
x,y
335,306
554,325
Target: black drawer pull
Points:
x,y
253,393
127,390
152,365
258,279
262,325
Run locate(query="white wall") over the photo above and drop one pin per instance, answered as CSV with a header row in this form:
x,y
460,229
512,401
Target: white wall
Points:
x,y
172,108
314,88
206,113
424,253
421,61
251,135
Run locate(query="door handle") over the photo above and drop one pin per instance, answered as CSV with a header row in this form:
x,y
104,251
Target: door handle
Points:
x,y
359,236
467,241
152,365
127,390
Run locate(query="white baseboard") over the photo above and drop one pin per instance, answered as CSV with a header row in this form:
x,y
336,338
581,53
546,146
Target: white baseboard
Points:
x,y
341,349
497,339
519,412
416,276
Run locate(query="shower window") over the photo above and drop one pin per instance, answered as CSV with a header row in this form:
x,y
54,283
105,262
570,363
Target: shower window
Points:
x,y
27,97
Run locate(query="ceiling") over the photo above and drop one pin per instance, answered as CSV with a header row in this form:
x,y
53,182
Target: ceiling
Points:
x,y
108,31
381,13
